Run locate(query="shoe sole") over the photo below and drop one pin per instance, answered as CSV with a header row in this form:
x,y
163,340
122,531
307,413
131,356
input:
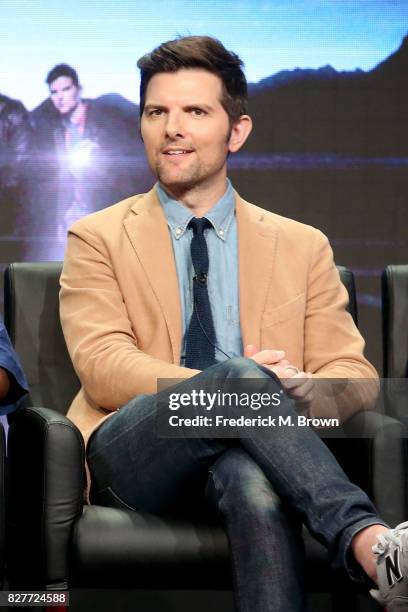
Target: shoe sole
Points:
x,y
398,604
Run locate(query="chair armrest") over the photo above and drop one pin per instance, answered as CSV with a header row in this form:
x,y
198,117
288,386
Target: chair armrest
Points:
x,y
374,455
45,495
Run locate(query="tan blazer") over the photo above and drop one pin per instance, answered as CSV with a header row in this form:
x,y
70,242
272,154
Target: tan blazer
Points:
x,y
120,307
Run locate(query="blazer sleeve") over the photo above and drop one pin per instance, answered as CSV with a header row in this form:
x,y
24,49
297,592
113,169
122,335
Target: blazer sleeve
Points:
x,y
98,332
334,348
9,362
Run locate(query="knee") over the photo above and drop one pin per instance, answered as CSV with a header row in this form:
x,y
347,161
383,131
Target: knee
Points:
x,y
241,367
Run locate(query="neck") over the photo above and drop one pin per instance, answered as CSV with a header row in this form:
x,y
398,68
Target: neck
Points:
x,y
198,199
76,113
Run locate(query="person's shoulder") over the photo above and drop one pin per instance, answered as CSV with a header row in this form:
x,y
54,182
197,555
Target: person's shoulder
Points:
x,y
112,216
5,102
292,229
14,109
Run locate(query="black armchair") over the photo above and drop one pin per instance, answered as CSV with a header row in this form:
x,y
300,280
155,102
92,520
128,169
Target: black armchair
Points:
x,y
68,544
394,285
394,288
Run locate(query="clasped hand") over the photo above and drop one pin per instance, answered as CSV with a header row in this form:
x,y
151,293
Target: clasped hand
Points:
x,y
298,385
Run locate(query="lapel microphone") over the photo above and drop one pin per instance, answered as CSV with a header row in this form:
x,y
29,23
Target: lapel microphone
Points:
x,y
204,331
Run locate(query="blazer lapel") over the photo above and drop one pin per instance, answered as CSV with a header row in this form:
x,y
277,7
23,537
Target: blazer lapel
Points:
x,y
148,232
257,240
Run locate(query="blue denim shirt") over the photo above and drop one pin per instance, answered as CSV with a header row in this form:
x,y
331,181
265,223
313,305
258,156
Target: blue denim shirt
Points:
x,y
9,362
222,243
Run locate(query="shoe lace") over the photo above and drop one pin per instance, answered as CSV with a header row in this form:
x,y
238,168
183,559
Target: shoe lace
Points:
x,y
391,536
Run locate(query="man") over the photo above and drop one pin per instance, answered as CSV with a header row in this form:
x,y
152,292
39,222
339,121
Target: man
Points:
x,y
13,384
15,147
154,287
83,149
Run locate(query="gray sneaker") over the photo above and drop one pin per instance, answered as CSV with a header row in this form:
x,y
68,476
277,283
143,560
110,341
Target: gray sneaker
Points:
x,y
392,569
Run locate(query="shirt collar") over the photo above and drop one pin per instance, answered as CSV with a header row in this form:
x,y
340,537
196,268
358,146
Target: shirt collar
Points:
x,y
178,216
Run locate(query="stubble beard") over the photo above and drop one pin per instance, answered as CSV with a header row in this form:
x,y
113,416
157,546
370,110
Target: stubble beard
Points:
x,y
185,181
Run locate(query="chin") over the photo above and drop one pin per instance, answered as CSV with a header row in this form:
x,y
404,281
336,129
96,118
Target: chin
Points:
x,y
181,184
178,186
175,181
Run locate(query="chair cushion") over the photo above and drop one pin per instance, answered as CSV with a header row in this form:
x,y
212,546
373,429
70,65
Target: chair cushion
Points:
x,y
122,548
119,548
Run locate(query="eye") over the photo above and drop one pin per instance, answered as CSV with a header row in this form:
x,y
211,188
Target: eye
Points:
x,y
197,112
155,112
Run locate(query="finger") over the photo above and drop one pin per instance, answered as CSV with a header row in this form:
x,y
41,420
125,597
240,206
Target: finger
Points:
x,y
307,400
250,350
281,369
275,369
268,357
298,385
292,379
302,390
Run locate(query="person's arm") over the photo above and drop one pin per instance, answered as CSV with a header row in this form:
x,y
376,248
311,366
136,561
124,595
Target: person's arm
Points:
x,y
333,346
19,145
13,384
4,383
99,335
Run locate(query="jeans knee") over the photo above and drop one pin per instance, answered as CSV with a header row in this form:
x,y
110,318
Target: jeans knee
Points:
x,y
241,367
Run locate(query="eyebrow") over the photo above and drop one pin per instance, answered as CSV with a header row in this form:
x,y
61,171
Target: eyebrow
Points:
x,y
53,91
206,107
151,106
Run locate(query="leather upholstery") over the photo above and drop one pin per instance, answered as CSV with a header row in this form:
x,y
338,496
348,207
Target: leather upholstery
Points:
x,y
395,321
394,285
347,278
122,548
31,308
66,544
46,480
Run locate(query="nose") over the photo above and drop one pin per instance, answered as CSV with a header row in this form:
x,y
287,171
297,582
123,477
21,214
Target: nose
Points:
x,y
174,125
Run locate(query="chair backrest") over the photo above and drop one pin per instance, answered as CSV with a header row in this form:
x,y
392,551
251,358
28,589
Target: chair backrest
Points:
x,y
394,285
31,315
347,278
32,319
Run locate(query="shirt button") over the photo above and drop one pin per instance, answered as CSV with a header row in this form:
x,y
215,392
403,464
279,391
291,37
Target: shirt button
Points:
x,y
178,231
221,233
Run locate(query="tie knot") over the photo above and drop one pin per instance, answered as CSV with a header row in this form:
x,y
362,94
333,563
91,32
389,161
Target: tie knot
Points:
x,y
199,224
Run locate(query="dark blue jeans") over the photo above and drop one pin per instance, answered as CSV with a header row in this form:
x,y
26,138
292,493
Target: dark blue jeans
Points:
x,y
262,486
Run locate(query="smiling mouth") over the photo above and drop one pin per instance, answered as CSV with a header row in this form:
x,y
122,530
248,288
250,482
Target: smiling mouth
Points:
x,y
178,152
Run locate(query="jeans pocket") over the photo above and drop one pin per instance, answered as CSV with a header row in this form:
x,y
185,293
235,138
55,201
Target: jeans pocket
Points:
x,y
108,497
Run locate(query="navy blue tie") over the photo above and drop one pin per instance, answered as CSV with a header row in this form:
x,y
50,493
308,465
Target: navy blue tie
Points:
x,y
200,342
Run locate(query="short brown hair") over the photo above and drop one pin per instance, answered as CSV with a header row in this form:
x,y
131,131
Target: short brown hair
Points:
x,y
199,52
62,70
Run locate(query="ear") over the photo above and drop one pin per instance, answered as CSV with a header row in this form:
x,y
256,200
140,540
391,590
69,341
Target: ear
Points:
x,y
239,133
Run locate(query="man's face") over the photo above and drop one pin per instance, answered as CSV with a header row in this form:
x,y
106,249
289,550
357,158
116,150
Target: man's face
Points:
x,y
65,95
185,129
